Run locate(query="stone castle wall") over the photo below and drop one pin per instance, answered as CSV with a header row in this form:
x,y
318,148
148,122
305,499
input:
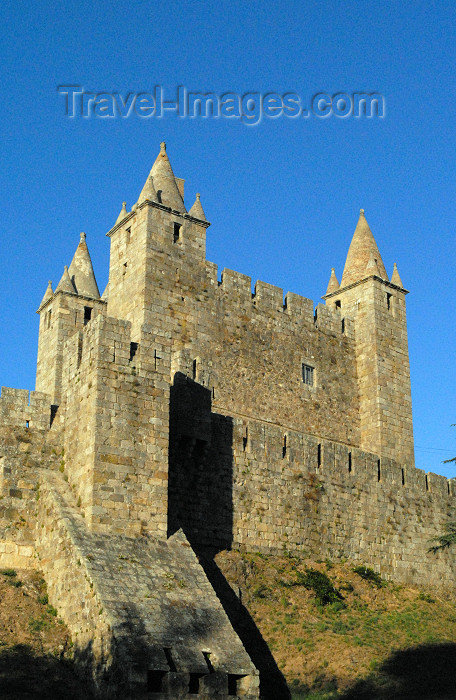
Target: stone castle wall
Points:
x,y
116,428
236,482
247,348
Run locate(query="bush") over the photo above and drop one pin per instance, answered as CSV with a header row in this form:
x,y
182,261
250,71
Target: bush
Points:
x,y
8,572
320,584
369,575
426,597
261,591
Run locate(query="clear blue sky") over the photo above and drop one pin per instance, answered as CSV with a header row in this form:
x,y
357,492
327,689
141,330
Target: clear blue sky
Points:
x,y
283,196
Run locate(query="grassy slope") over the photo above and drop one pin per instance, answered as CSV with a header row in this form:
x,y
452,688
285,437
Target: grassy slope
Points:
x,y
35,646
387,642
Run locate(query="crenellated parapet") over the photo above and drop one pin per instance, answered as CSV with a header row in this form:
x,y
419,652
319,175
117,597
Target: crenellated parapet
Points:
x,y
20,408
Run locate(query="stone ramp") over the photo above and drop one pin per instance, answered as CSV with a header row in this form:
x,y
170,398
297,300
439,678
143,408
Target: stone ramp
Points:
x,y
144,618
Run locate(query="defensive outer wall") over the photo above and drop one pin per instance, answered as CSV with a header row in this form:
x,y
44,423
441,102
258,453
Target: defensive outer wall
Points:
x,y
178,415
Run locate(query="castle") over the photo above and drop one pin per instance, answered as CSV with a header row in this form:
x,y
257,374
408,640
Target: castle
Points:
x,y
178,415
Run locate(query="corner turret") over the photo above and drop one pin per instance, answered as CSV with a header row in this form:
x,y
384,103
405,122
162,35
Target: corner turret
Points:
x,y
47,295
81,271
65,284
395,278
197,210
75,302
333,284
377,307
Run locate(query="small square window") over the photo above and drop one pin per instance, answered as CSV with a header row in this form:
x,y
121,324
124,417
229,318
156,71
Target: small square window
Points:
x,y
308,375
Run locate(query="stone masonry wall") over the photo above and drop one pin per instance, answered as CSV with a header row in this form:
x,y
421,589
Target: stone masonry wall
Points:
x,y
144,619
116,428
247,349
286,490
26,444
60,318
382,361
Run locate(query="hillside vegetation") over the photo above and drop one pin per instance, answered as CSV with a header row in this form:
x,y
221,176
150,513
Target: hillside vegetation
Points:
x,y
35,645
337,631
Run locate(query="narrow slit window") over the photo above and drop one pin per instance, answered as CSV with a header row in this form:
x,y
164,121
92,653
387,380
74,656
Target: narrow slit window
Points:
x,y
245,439
194,364
308,375
128,232
176,232
27,424
133,350
170,660
79,350
87,314
389,302
343,325
403,477
284,447
319,456
49,316
54,409
427,483
349,462
338,304
379,473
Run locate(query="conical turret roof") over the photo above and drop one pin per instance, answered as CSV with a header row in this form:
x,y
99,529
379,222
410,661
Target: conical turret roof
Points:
x,y
197,209
165,182
81,271
362,248
123,213
395,278
372,266
65,284
148,191
333,284
47,295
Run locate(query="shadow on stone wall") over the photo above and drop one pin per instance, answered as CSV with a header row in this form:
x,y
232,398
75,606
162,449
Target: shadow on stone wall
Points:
x,y
200,485
426,672
200,494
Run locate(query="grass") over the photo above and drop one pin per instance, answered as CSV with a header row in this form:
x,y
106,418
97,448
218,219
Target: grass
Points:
x,y
325,645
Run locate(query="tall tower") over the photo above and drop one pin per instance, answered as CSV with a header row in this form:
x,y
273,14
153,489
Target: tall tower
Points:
x,y
74,303
156,250
377,306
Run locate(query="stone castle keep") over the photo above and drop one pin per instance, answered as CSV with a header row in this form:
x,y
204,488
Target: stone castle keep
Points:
x,y
176,416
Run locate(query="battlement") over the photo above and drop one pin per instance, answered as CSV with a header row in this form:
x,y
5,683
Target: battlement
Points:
x,y
268,299
20,408
258,441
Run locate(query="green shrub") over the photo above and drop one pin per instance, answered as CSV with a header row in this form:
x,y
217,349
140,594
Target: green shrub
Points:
x,y
261,591
37,624
426,597
8,572
15,583
369,575
320,584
